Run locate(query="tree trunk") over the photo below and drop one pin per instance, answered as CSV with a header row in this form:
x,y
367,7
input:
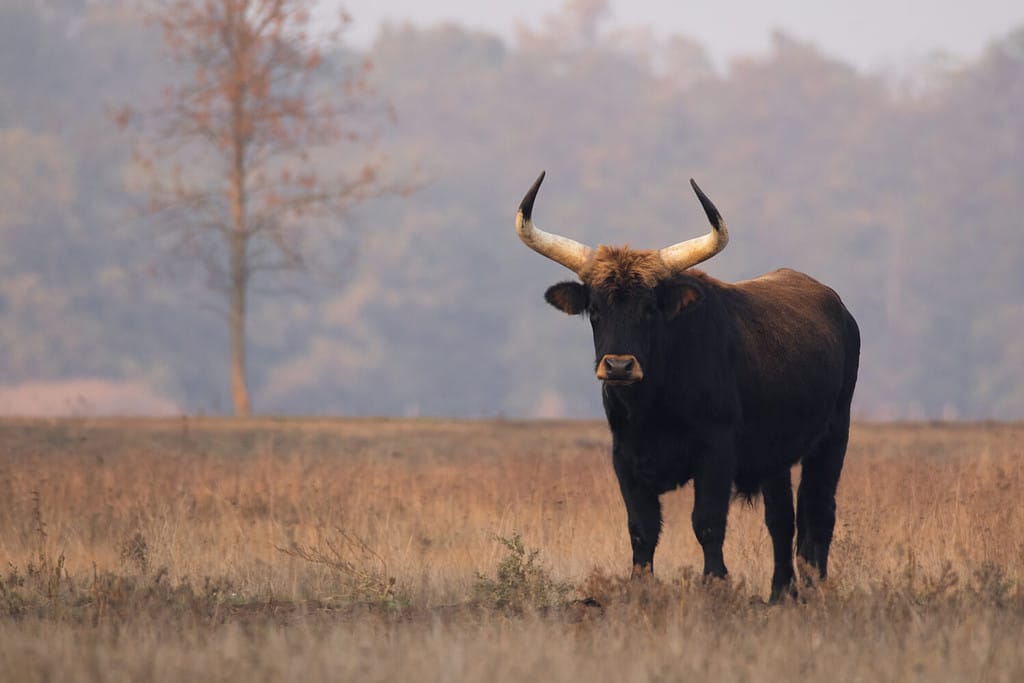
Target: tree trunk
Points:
x,y
239,282
239,239
239,383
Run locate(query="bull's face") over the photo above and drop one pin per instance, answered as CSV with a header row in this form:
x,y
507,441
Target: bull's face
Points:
x,y
627,322
630,295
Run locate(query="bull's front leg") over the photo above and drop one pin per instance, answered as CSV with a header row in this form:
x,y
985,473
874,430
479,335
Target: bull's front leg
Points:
x,y
712,490
643,511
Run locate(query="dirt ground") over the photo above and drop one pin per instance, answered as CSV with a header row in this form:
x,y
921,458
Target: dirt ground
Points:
x,y
300,549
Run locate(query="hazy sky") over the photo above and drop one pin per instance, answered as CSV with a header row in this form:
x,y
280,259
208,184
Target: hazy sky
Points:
x,y
867,33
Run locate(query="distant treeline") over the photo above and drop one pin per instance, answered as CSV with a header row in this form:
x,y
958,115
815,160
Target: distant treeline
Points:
x,y
904,194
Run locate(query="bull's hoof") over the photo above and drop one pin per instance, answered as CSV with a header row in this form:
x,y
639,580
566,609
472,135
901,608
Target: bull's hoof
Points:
x,y
783,593
641,572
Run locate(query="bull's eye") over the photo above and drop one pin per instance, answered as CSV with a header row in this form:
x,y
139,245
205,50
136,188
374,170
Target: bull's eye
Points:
x,y
595,317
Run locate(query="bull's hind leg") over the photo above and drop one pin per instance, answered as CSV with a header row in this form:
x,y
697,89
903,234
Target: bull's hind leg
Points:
x,y
816,497
778,517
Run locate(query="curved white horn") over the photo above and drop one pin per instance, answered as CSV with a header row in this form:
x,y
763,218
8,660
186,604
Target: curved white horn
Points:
x,y
683,255
570,253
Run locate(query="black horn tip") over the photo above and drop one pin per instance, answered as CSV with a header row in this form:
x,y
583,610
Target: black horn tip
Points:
x,y
709,207
526,206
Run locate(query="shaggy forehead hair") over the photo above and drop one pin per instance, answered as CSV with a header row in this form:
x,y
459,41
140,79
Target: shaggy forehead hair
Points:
x,y
618,268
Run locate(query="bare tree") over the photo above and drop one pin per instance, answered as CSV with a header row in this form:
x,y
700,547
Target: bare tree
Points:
x,y
229,154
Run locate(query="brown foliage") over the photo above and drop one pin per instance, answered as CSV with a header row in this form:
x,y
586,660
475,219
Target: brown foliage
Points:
x,y
247,92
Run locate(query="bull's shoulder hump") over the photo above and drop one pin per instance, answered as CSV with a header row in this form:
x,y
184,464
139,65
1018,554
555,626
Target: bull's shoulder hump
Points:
x,y
780,276
788,289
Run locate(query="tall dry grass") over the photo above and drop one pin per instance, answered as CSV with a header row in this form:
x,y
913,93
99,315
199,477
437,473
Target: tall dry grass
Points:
x,y
307,550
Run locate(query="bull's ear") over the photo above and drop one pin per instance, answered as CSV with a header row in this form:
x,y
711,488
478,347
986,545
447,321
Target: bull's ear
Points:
x,y
568,297
680,296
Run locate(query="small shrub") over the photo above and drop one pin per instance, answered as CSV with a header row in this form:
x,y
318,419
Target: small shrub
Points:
x,y
12,602
135,552
521,584
989,585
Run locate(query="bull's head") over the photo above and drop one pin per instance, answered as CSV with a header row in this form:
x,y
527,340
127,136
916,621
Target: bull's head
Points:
x,y
628,293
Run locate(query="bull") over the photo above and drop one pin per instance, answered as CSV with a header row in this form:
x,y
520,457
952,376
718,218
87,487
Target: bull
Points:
x,y
726,384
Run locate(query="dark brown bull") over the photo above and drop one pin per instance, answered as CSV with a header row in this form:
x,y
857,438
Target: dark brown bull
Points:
x,y
727,384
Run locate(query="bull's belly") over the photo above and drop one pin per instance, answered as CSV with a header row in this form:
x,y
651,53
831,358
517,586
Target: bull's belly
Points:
x,y
665,461
763,453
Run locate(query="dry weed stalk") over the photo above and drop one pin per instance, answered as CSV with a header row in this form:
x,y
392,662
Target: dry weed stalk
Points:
x,y
363,571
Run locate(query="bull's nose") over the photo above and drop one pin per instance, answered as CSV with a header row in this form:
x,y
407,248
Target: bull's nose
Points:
x,y
619,365
619,369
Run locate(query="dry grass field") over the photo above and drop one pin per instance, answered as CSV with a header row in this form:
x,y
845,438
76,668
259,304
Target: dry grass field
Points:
x,y
390,550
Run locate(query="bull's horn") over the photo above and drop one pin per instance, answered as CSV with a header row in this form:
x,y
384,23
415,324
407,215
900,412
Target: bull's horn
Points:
x,y
570,253
681,256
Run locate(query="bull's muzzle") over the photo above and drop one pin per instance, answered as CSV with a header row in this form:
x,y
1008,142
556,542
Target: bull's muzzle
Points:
x,y
618,369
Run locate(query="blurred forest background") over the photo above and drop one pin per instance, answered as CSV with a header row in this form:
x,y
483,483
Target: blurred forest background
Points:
x,y
904,191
